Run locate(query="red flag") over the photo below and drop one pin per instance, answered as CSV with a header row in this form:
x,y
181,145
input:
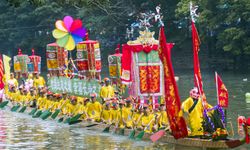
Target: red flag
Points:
x,y
197,72
222,93
1,72
172,99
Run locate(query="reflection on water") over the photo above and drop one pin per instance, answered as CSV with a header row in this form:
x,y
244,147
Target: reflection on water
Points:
x,y
20,131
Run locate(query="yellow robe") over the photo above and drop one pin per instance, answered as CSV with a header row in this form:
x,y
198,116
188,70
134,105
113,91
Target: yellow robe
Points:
x,y
115,116
106,115
163,120
195,118
107,92
145,120
127,116
13,82
40,82
94,110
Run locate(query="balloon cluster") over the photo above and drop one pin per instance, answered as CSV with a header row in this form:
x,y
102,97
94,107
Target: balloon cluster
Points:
x,y
69,32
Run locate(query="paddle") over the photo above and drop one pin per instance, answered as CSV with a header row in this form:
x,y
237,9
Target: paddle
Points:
x,y
74,122
67,120
33,111
74,119
141,134
15,108
60,119
106,129
156,136
55,114
38,114
3,104
132,133
22,109
122,130
46,113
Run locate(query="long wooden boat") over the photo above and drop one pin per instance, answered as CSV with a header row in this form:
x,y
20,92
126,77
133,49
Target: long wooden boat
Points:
x,y
167,138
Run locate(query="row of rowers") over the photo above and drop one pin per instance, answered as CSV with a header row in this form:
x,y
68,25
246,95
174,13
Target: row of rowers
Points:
x,y
121,113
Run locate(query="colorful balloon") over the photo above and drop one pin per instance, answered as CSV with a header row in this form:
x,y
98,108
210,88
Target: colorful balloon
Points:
x,y
68,32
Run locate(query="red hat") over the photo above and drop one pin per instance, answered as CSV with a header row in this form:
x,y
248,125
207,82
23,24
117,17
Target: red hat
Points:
x,y
156,105
194,93
121,102
106,79
49,93
93,95
145,105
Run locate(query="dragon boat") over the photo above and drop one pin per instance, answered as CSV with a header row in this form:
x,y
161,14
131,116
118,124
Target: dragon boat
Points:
x,y
167,138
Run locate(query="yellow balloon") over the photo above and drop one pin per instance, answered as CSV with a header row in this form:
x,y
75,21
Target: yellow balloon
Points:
x,y
61,26
58,33
70,44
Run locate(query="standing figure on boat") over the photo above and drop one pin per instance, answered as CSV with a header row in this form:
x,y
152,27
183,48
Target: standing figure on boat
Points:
x,y
107,91
39,81
12,82
193,113
29,82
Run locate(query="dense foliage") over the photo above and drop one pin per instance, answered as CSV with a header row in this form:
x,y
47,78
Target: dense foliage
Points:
x,y
224,25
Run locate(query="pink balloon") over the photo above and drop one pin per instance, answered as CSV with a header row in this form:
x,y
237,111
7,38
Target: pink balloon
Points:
x,y
68,20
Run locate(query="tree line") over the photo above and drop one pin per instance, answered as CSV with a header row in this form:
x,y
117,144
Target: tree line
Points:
x,y
223,25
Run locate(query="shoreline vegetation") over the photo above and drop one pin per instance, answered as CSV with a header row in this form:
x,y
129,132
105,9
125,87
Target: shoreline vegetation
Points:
x,y
223,27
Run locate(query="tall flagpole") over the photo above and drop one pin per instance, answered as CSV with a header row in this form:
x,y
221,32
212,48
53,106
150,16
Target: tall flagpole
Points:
x,y
216,82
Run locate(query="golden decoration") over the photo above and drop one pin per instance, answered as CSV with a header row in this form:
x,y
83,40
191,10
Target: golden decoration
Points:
x,y
145,38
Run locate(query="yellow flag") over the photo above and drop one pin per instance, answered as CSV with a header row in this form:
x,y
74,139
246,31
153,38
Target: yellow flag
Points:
x,y
6,62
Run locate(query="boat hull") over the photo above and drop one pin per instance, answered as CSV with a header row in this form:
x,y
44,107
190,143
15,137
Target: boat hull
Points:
x,y
167,138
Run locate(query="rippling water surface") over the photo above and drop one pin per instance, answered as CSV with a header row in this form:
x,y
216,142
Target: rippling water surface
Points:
x,y
21,131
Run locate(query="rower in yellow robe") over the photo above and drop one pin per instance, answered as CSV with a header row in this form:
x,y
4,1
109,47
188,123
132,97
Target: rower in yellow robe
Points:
x,y
24,97
105,115
193,112
127,114
71,108
163,121
48,101
93,109
41,100
147,120
136,118
31,98
39,81
107,91
115,114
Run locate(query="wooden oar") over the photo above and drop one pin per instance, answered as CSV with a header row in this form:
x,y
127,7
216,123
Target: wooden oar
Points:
x,y
160,133
75,118
37,114
122,130
106,129
156,136
67,120
3,104
132,133
22,109
46,113
141,134
15,108
56,113
33,111
60,119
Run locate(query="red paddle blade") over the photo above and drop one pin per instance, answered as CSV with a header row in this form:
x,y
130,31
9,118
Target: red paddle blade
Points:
x,y
155,137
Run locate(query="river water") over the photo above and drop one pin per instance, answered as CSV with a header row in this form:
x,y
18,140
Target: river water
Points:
x,y
21,131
